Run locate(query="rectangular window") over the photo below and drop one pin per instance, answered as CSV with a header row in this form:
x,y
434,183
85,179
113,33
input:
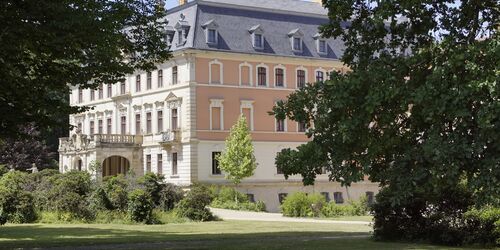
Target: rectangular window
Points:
x,y
174,119
148,122
297,44
122,88
257,41
174,163
280,125
326,195
148,163
138,83
80,95
100,126
80,126
337,196
322,46
123,125
110,90
261,73
282,197
251,198
216,117
302,126
174,75
101,91
149,80
108,126
159,163
279,78
320,76
160,120
137,124
91,127
301,78
370,197
160,78
92,94
212,36
180,37
215,164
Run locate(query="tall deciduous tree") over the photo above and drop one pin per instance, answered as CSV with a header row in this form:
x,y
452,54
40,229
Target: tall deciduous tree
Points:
x,y
46,46
419,111
238,160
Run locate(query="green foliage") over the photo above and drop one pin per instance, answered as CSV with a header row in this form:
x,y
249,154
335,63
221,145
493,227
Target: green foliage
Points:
x,y
16,204
3,170
224,197
238,160
116,189
483,226
194,205
301,204
97,42
354,208
164,195
140,206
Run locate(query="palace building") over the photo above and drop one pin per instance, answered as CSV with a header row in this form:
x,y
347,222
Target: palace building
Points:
x,y
230,57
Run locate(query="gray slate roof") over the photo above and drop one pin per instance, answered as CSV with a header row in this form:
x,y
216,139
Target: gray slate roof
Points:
x,y
235,18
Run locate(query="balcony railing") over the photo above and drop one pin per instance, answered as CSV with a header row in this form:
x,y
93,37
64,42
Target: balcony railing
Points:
x,y
117,138
171,136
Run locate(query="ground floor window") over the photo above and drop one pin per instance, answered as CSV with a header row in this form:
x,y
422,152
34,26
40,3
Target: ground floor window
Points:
x,y
326,195
370,198
282,197
174,163
251,197
159,161
215,164
148,163
337,196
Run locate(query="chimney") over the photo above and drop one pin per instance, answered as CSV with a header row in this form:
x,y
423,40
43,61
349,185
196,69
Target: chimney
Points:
x,y
182,2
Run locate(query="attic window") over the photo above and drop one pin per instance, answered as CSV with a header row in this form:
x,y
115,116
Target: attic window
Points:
x,y
321,45
211,34
182,28
257,36
170,32
296,40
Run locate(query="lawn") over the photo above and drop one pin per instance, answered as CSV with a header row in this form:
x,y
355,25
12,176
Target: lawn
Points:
x,y
207,235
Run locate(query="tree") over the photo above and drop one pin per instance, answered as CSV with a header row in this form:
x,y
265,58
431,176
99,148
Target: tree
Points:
x,y
418,111
238,160
20,154
46,46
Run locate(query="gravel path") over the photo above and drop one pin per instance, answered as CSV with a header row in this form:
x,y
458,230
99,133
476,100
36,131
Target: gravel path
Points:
x,y
226,214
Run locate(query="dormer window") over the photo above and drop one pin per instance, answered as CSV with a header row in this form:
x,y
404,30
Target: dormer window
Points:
x,y
170,32
211,33
296,40
182,28
321,45
257,36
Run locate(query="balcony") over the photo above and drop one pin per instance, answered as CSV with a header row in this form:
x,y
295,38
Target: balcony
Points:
x,y
117,139
170,137
80,142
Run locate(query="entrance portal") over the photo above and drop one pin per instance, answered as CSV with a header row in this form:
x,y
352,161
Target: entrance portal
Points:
x,y
115,165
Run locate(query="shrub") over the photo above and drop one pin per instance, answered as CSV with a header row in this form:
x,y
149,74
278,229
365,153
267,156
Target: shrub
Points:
x,y
70,193
140,206
116,190
164,195
482,226
331,209
194,205
229,194
3,170
225,197
16,204
169,196
301,204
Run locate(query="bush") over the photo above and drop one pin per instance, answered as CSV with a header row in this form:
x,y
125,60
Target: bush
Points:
x,y
194,205
164,195
140,206
16,204
170,195
116,190
482,226
225,197
70,193
3,170
229,194
301,204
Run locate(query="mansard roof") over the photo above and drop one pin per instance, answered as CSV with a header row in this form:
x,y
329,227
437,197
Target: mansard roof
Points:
x,y
237,19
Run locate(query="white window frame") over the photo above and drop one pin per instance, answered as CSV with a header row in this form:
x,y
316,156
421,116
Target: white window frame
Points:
x,y
318,41
292,39
261,40
280,66
221,69
257,75
250,67
306,75
325,75
217,103
207,34
276,126
248,104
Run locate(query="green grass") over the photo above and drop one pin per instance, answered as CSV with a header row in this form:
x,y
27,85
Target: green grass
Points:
x,y
206,235
367,218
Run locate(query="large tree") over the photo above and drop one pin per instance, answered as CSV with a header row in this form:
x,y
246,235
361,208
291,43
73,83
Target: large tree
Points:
x,y
46,46
419,110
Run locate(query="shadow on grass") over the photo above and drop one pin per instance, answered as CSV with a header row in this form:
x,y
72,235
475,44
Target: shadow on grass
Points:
x,y
155,237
